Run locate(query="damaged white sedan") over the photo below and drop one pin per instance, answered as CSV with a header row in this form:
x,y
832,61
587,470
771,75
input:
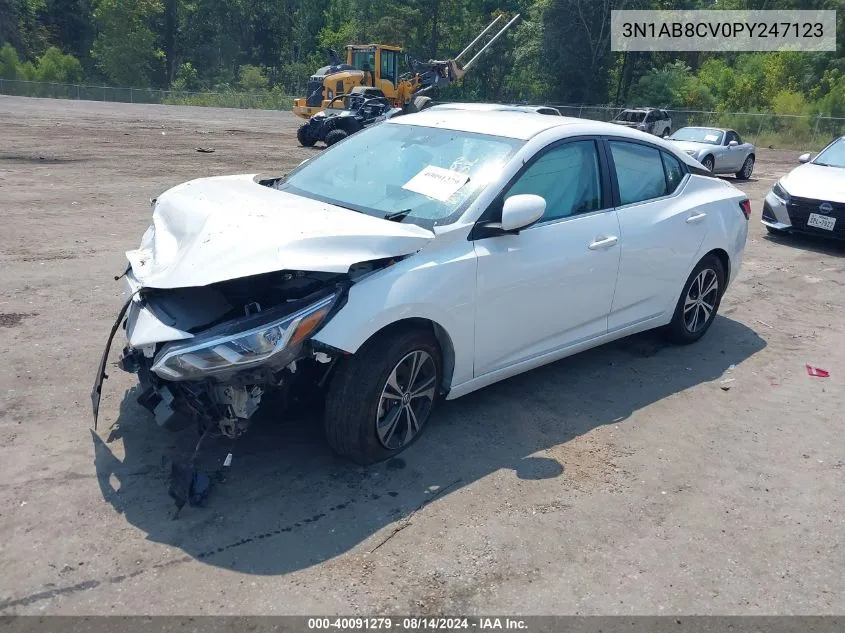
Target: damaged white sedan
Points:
x,y
424,258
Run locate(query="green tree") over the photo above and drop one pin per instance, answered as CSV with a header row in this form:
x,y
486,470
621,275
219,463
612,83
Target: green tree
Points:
x,y
125,49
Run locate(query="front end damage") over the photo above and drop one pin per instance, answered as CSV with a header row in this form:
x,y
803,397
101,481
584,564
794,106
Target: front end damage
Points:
x,y
206,357
228,288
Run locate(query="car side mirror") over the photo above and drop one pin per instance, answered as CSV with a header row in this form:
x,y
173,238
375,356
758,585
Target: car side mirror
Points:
x,y
805,158
733,144
522,210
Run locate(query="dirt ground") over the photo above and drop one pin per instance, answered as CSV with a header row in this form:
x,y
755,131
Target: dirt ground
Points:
x,y
624,480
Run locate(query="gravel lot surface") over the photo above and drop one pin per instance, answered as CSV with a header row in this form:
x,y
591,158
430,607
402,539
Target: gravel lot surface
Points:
x,y
624,480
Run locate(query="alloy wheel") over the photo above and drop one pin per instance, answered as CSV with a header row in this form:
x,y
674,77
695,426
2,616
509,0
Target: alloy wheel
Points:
x,y
406,400
700,302
708,164
747,168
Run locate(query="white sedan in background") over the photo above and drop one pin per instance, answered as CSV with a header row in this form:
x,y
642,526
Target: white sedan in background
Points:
x,y
421,259
810,198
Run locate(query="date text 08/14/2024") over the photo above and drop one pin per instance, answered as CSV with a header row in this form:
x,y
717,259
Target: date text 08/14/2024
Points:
x,y
416,623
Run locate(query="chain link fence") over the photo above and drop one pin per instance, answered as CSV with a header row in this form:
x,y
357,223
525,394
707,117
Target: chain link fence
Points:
x,y
762,129
271,100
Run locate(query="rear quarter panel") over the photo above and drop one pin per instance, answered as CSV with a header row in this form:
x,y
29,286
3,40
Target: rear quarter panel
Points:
x,y
727,226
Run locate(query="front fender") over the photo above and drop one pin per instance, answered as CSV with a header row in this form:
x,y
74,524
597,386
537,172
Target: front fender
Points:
x,y
438,287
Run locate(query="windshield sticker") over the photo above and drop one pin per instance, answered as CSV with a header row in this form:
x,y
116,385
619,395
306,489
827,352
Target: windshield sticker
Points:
x,y
436,182
711,137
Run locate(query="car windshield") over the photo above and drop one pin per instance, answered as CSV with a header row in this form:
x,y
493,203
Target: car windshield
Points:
x,y
833,155
423,175
631,116
699,135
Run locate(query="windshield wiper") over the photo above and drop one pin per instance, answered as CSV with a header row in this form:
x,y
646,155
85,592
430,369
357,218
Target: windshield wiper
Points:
x,y
397,216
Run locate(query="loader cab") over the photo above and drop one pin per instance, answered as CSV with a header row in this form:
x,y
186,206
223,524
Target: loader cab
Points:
x,y
379,63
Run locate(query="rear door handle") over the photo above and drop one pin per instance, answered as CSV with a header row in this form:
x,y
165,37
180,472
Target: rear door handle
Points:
x,y
695,219
603,242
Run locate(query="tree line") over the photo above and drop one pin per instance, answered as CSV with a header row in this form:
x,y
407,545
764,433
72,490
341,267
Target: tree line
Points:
x,y
559,52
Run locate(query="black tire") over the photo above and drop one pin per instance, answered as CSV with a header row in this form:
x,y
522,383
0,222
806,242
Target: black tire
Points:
x,y
746,170
422,102
354,398
305,135
335,136
708,163
679,331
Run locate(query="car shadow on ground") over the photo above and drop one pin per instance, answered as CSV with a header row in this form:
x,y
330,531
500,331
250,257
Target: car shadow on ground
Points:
x,y
289,503
817,244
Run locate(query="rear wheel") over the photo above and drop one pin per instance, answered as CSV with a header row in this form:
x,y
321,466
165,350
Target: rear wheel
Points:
x,y
708,163
380,399
747,169
699,301
335,136
306,136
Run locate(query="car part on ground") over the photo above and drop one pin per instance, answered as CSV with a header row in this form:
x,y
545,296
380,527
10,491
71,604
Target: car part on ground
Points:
x,y
652,120
811,198
369,292
719,150
377,66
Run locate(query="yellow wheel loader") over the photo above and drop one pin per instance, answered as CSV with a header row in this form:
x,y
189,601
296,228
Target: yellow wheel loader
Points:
x,y
376,68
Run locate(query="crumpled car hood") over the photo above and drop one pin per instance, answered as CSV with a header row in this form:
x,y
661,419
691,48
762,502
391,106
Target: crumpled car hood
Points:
x,y
816,182
215,229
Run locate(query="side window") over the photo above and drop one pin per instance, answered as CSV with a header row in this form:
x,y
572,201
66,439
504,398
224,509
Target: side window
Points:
x,y
649,117
388,66
639,172
731,136
674,172
567,177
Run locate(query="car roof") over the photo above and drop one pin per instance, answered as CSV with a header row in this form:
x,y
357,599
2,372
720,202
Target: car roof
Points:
x,y
517,125
510,123
490,107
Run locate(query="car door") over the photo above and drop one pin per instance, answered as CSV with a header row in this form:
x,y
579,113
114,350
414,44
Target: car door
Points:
x,y
733,156
659,233
551,285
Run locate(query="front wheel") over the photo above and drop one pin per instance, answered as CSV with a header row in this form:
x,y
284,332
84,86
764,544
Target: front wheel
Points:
x,y
380,399
699,301
335,136
306,136
708,163
747,169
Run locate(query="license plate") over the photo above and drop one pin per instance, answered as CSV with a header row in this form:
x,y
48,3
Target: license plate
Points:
x,y
821,222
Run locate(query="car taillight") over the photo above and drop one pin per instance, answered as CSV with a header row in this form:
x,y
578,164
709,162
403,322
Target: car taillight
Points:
x,y
745,205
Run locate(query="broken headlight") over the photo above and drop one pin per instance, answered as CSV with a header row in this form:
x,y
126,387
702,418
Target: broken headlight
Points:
x,y
221,351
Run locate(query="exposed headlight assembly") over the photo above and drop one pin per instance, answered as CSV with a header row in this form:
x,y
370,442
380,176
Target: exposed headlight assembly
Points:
x,y
780,192
259,338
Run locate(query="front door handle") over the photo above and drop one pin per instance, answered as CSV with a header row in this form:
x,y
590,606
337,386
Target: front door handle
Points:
x,y
696,218
603,242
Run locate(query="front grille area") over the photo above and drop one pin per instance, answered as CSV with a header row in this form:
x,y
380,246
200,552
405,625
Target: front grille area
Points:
x,y
799,210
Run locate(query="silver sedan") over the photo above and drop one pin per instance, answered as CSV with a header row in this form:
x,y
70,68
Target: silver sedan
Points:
x,y
810,198
719,150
